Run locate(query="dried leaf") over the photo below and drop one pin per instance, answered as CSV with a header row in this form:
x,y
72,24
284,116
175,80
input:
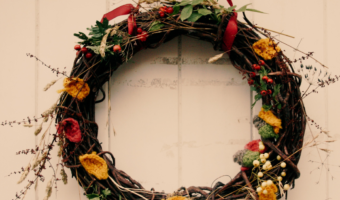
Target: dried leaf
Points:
x,y
325,150
28,125
215,58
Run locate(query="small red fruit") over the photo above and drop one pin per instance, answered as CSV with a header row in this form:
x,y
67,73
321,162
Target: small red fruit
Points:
x,y
269,91
88,55
170,10
161,14
117,48
77,53
163,9
84,50
77,47
261,62
250,81
139,30
270,81
252,74
142,37
256,67
263,93
265,78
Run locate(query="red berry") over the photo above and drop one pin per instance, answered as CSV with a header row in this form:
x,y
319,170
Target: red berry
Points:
x,y
169,10
261,62
77,47
163,9
252,74
161,14
263,93
256,67
84,50
269,91
139,30
77,53
270,81
265,78
88,55
250,81
117,48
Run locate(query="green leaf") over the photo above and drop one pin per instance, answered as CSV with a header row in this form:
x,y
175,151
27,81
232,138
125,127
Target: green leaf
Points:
x,y
243,8
257,97
195,2
252,88
204,11
217,11
230,9
194,17
105,23
156,27
276,89
106,192
176,10
266,107
185,2
279,106
92,196
186,12
253,10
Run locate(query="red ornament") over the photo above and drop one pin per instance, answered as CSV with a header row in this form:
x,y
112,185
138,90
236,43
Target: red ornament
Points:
x,y
88,55
261,62
252,74
265,78
77,47
250,81
270,81
139,30
256,67
84,50
71,129
269,91
117,48
170,10
161,14
263,93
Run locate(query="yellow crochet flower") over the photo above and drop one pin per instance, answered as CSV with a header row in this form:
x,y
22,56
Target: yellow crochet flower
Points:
x,y
94,165
272,189
72,87
176,198
265,48
271,119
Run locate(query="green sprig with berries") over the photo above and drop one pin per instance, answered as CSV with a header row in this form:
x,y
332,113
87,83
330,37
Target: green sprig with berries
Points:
x,y
265,87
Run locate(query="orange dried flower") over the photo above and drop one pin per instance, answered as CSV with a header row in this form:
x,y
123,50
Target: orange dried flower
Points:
x,y
73,85
94,165
271,190
265,48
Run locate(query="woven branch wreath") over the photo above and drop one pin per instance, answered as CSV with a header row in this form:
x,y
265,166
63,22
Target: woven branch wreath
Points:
x,y
268,166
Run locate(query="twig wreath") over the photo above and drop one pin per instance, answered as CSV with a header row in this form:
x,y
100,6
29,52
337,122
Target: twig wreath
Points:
x,y
268,166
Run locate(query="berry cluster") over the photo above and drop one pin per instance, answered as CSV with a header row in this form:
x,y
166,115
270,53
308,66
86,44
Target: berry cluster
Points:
x,y
142,35
257,67
84,50
165,9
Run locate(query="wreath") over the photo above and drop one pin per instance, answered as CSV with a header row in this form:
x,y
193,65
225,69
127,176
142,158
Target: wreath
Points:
x,y
268,166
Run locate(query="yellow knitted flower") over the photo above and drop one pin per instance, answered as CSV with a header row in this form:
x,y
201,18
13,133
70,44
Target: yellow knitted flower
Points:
x,y
265,48
271,119
272,189
176,198
94,165
72,87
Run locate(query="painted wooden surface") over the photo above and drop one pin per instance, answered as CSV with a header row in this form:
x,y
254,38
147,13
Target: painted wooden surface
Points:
x,y
171,124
